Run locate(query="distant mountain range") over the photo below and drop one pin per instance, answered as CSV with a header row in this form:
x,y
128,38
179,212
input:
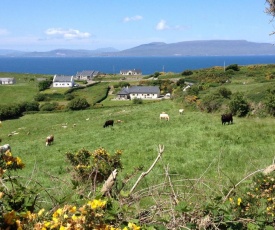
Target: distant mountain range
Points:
x,y
187,48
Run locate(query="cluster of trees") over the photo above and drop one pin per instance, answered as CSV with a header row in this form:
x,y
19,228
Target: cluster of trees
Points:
x,y
17,110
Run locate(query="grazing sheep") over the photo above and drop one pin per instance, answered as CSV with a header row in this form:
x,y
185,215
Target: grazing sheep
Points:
x,y
4,148
49,140
164,116
181,111
108,123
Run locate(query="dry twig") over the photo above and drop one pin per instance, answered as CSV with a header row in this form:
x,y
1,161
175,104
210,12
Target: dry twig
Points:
x,y
161,149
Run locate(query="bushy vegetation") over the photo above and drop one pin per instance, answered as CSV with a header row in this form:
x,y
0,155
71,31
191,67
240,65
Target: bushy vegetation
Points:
x,y
78,104
42,85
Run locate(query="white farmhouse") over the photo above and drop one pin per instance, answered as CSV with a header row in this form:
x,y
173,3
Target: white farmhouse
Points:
x,y
7,81
63,81
131,72
142,92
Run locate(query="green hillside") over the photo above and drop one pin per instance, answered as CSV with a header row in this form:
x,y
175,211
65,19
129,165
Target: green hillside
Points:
x,y
202,158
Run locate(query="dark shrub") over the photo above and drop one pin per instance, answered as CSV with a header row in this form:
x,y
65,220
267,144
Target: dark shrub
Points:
x,y
238,105
224,92
69,97
186,73
48,107
211,103
40,97
181,82
137,101
78,104
44,85
234,67
31,106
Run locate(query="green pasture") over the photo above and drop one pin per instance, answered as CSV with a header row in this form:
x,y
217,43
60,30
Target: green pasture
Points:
x,y
196,144
22,92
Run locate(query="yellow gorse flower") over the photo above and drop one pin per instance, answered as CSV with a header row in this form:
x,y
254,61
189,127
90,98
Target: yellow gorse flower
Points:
x,y
72,209
41,212
133,226
94,204
239,201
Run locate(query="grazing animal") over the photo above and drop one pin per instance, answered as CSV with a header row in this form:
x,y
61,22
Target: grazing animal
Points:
x,y
164,116
108,123
49,140
181,111
5,148
227,118
119,121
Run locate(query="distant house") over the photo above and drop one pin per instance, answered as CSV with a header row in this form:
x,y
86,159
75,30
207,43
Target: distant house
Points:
x,y
86,75
63,81
143,92
131,72
7,81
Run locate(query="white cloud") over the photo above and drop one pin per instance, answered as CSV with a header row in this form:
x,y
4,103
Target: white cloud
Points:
x,y
134,18
67,34
3,32
162,25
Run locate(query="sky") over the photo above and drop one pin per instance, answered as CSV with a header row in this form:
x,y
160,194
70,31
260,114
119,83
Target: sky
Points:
x,y
44,25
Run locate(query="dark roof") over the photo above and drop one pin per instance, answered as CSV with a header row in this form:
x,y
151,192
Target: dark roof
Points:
x,y
62,78
139,89
87,73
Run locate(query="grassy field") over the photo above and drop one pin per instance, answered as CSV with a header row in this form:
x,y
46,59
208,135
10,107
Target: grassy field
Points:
x,y
196,144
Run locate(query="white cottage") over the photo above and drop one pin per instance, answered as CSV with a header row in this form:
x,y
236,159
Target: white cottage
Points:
x,y
7,81
63,81
131,72
142,92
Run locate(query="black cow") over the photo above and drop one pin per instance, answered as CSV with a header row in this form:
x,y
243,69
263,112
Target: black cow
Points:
x,y
108,123
227,118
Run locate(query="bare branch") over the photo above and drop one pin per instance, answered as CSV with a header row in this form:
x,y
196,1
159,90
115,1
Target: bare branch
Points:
x,y
174,196
106,188
161,149
251,174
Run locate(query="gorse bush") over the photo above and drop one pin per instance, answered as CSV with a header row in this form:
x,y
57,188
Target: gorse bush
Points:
x,y
93,166
19,204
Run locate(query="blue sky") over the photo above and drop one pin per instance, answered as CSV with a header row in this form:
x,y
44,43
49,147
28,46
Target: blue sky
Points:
x,y
42,25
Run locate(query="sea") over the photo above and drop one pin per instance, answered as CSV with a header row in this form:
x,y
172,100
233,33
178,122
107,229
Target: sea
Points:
x,y
113,65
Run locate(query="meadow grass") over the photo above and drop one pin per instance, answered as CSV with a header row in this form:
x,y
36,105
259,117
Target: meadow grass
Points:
x,y
196,144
